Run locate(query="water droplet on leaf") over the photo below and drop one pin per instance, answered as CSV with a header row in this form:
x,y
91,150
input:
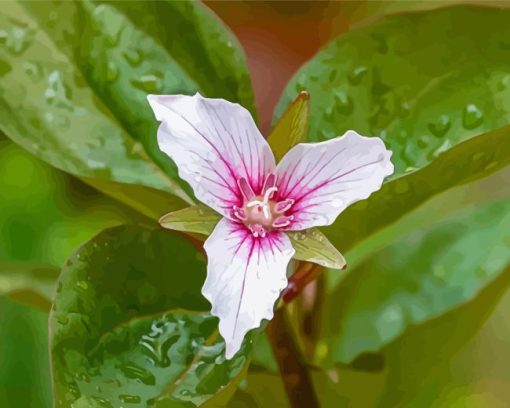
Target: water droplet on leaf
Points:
x,y
343,103
148,83
133,56
472,117
440,126
112,71
130,399
356,75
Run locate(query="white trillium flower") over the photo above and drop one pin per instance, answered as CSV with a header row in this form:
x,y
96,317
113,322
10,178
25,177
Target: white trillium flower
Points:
x,y
220,152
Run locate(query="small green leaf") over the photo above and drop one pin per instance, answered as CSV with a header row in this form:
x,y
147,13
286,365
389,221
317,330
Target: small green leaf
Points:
x,y
198,219
128,307
292,127
313,246
310,245
29,282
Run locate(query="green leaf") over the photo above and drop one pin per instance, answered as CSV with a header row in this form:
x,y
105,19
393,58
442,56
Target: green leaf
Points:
x,y
424,93
458,359
198,219
291,128
463,359
436,258
313,246
29,283
366,10
310,245
77,80
470,160
129,307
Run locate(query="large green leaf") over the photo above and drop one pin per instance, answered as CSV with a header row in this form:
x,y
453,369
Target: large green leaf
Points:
x,y
75,81
460,359
424,93
362,11
129,326
436,258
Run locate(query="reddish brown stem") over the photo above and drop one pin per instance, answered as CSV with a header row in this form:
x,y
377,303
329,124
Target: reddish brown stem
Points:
x,y
297,282
295,375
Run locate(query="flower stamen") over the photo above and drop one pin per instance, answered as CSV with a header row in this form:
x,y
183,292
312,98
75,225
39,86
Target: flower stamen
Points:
x,y
259,213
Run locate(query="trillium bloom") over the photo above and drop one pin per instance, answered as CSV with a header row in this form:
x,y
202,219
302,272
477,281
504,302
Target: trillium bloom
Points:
x,y
220,152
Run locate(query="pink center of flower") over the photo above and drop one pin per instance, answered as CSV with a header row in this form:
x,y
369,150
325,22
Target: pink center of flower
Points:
x,y
260,213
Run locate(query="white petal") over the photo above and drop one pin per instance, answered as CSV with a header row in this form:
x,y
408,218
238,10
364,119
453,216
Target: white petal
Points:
x,y
245,276
213,143
324,178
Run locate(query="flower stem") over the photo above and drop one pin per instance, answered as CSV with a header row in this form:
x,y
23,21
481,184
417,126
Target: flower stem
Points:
x,y
294,372
297,282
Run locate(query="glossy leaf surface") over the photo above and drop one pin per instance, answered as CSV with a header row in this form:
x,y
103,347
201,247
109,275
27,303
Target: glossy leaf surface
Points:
x,y
124,331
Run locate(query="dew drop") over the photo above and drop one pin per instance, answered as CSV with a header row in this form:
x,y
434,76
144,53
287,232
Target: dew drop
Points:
x,y
446,145
185,393
356,75
130,399
33,70
17,40
82,285
343,103
62,319
57,93
472,117
133,56
423,141
135,372
440,126
201,212
148,83
112,71
102,402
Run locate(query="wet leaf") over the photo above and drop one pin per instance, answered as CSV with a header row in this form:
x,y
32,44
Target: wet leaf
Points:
x,y
75,91
129,325
313,246
198,219
310,245
427,95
